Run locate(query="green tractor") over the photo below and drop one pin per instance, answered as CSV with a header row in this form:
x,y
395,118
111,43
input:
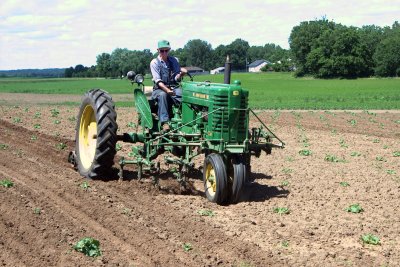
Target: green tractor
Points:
x,y
213,119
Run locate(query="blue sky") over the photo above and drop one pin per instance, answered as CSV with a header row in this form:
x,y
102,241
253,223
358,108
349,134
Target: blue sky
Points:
x,y
58,34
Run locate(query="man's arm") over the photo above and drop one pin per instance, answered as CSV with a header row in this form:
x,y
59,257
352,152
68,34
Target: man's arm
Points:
x,y
155,72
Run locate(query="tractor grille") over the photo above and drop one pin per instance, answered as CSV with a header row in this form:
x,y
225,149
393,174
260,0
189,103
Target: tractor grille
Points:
x,y
220,117
242,116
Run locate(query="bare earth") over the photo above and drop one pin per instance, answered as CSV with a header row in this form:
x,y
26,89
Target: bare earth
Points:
x,y
138,225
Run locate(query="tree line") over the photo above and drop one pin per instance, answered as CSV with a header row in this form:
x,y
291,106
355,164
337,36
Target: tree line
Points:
x,y
318,48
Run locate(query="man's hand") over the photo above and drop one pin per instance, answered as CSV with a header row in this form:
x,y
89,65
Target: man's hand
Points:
x,y
170,92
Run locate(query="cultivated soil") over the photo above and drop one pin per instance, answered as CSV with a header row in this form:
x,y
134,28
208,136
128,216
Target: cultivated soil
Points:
x,y
48,209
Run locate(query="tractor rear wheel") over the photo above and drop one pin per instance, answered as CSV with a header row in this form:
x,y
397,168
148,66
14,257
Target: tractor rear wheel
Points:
x,y
96,134
239,177
215,179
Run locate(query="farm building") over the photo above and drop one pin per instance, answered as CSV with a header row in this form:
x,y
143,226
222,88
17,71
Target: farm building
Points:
x,y
256,66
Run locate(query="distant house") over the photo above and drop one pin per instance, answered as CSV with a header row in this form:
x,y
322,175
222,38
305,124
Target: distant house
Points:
x,y
217,70
257,65
194,70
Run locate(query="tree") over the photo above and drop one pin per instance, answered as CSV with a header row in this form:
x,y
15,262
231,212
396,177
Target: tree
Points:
x,y
387,55
103,65
198,53
237,51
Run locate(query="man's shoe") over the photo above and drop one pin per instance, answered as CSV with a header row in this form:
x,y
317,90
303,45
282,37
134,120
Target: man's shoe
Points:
x,y
165,127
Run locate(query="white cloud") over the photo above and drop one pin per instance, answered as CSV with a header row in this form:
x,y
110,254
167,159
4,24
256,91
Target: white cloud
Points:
x,y
56,33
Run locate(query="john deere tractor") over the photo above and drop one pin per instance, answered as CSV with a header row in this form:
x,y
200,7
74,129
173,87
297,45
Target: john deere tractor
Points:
x,y
212,119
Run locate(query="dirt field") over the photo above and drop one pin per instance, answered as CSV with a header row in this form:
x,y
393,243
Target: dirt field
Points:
x,y
47,210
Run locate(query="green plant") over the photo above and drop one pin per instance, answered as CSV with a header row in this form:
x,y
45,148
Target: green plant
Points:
x,y
73,118
333,158
54,112
127,212
17,120
284,183
88,246
305,152
34,137
206,212
285,243
118,147
282,210
380,158
37,126
396,154
85,186
355,208
353,122
290,159
6,183
355,154
370,239
61,146
187,247
37,211
376,141
37,115
57,121
287,170
343,143
131,124
334,131
3,146
390,171
344,184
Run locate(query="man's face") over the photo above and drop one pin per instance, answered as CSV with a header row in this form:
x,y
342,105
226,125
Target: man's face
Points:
x,y
163,52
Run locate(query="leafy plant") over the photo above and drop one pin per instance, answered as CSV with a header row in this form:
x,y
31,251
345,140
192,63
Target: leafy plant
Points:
x,y
343,143
187,247
370,239
287,170
118,147
355,208
73,118
396,154
282,210
353,122
34,137
380,158
391,172
285,243
305,152
344,184
333,158
37,211
376,141
85,185
131,124
355,154
54,112
290,159
61,146
37,126
127,212
57,121
3,146
88,246
17,120
206,212
37,115
284,183
6,183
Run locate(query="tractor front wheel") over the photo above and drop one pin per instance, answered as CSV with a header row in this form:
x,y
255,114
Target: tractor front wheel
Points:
x,y
96,134
215,179
239,177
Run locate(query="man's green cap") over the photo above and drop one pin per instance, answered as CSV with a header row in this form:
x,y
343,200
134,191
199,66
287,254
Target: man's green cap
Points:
x,y
163,44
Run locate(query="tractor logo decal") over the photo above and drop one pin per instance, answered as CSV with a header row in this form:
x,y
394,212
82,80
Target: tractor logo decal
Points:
x,y
203,96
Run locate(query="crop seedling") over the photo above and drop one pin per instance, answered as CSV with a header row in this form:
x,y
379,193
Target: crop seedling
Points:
x,y
37,211
376,141
285,243
187,247
206,212
127,212
284,183
88,246
57,121
287,170
61,146
73,118
305,152
391,172
334,131
37,115
282,210
344,184
26,109
353,122
370,239
343,143
3,146
54,112
118,147
355,154
290,159
355,208
33,137
131,124
396,154
380,158
85,186
17,120
333,158
385,147
6,183
37,126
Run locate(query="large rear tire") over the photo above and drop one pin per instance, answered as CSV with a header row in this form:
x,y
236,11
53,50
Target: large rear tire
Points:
x,y
215,179
96,134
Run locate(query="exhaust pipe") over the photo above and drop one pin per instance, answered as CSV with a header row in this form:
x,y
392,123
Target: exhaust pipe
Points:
x,y
227,72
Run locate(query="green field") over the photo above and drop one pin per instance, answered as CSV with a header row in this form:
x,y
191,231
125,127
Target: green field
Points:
x,y
267,90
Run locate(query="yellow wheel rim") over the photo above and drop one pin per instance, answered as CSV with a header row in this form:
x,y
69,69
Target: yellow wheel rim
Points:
x,y
87,137
211,181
